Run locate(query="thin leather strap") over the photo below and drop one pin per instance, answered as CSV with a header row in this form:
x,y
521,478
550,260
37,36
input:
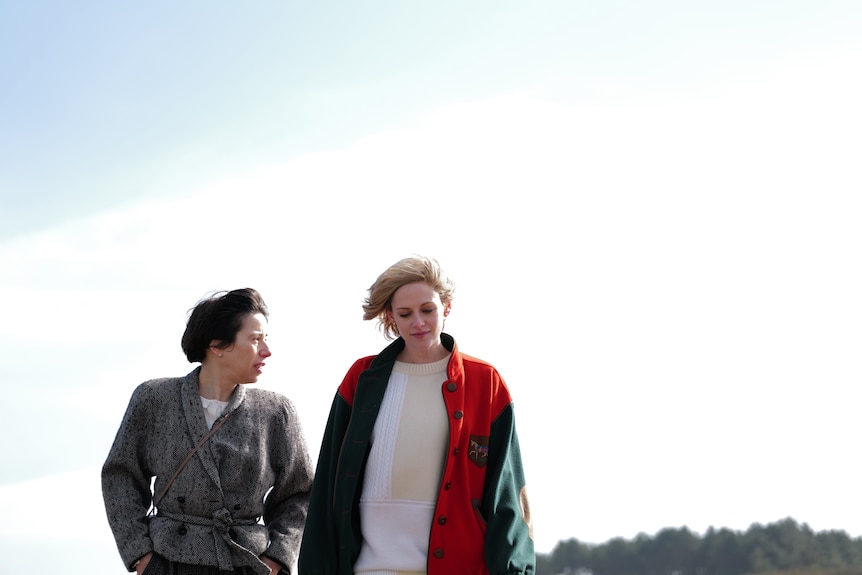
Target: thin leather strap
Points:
x,y
187,459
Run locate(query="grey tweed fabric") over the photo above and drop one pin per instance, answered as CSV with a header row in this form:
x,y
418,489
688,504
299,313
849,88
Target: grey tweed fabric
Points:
x,y
244,493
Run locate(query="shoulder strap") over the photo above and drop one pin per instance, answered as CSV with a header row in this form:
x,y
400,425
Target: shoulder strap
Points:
x,y
187,459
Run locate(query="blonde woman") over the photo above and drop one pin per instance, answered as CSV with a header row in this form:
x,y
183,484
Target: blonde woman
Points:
x,y
420,468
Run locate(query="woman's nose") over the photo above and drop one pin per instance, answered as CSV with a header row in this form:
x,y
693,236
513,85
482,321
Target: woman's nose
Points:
x,y
264,350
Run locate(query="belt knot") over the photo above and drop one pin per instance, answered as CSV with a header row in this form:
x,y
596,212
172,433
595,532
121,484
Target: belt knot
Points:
x,y
222,520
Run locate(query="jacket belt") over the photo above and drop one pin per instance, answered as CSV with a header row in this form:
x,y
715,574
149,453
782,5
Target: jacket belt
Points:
x,y
221,522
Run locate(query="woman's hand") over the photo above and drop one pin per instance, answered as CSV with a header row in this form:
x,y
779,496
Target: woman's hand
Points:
x,y
274,567
143,562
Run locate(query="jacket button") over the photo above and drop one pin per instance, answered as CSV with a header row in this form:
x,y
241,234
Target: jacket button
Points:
x,y
456,451
182,530
237,507
438,553
448,486
181,500
451,386
442,520
459,414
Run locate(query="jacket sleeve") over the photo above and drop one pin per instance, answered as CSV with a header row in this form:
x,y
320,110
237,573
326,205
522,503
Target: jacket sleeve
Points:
x,y
509,537
319,552
126,481
287,503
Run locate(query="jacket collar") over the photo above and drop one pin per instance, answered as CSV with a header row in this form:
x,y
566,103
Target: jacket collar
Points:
x,y
191,398
386,358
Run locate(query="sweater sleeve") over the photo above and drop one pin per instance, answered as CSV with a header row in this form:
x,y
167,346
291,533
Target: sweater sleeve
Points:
x,y
509,537
126,481
319,551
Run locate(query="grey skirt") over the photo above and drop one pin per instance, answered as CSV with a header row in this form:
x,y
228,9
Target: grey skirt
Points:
x,y
158,565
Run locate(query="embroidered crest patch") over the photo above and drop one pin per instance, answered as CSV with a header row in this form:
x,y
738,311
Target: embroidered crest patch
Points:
x,y
479,450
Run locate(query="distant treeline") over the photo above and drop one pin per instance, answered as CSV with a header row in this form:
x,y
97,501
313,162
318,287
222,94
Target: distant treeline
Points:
x,y
785,546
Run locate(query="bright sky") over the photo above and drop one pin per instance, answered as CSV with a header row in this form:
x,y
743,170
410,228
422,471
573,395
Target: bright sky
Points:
x,y
651,211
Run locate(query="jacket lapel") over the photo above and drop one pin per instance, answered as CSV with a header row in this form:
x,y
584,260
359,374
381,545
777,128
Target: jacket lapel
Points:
x,y
196,422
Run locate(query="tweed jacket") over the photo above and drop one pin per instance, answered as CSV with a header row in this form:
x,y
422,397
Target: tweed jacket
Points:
x,y
244,493
481,521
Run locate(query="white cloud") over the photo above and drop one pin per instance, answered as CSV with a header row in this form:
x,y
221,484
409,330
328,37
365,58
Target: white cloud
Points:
x,y
70,501
659,280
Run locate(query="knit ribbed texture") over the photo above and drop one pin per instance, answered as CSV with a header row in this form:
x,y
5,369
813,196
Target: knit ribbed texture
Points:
x,y
402,478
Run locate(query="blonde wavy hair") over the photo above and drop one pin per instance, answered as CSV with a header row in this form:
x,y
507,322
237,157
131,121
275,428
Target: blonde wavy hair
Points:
x,y
407,271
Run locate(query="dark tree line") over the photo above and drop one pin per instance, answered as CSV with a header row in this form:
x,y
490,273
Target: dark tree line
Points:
x,y
782,546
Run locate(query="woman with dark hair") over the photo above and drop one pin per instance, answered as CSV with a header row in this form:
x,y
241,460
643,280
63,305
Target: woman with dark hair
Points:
x,y
420,467
231,465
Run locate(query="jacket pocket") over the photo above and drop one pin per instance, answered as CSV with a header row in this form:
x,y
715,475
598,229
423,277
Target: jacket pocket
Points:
x,y
480,520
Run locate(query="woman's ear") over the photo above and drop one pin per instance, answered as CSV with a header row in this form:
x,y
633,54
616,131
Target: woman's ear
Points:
x,y
447,308
214,347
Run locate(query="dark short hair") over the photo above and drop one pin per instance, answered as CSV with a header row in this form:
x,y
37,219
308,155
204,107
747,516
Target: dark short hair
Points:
x,y
219,317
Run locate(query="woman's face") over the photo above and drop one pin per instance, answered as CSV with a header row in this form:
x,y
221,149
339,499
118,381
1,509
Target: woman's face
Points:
x,y
419,315
243,361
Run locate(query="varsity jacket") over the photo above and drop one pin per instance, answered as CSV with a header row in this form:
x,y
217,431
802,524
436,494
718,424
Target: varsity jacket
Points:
x,y
211,513
481,520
